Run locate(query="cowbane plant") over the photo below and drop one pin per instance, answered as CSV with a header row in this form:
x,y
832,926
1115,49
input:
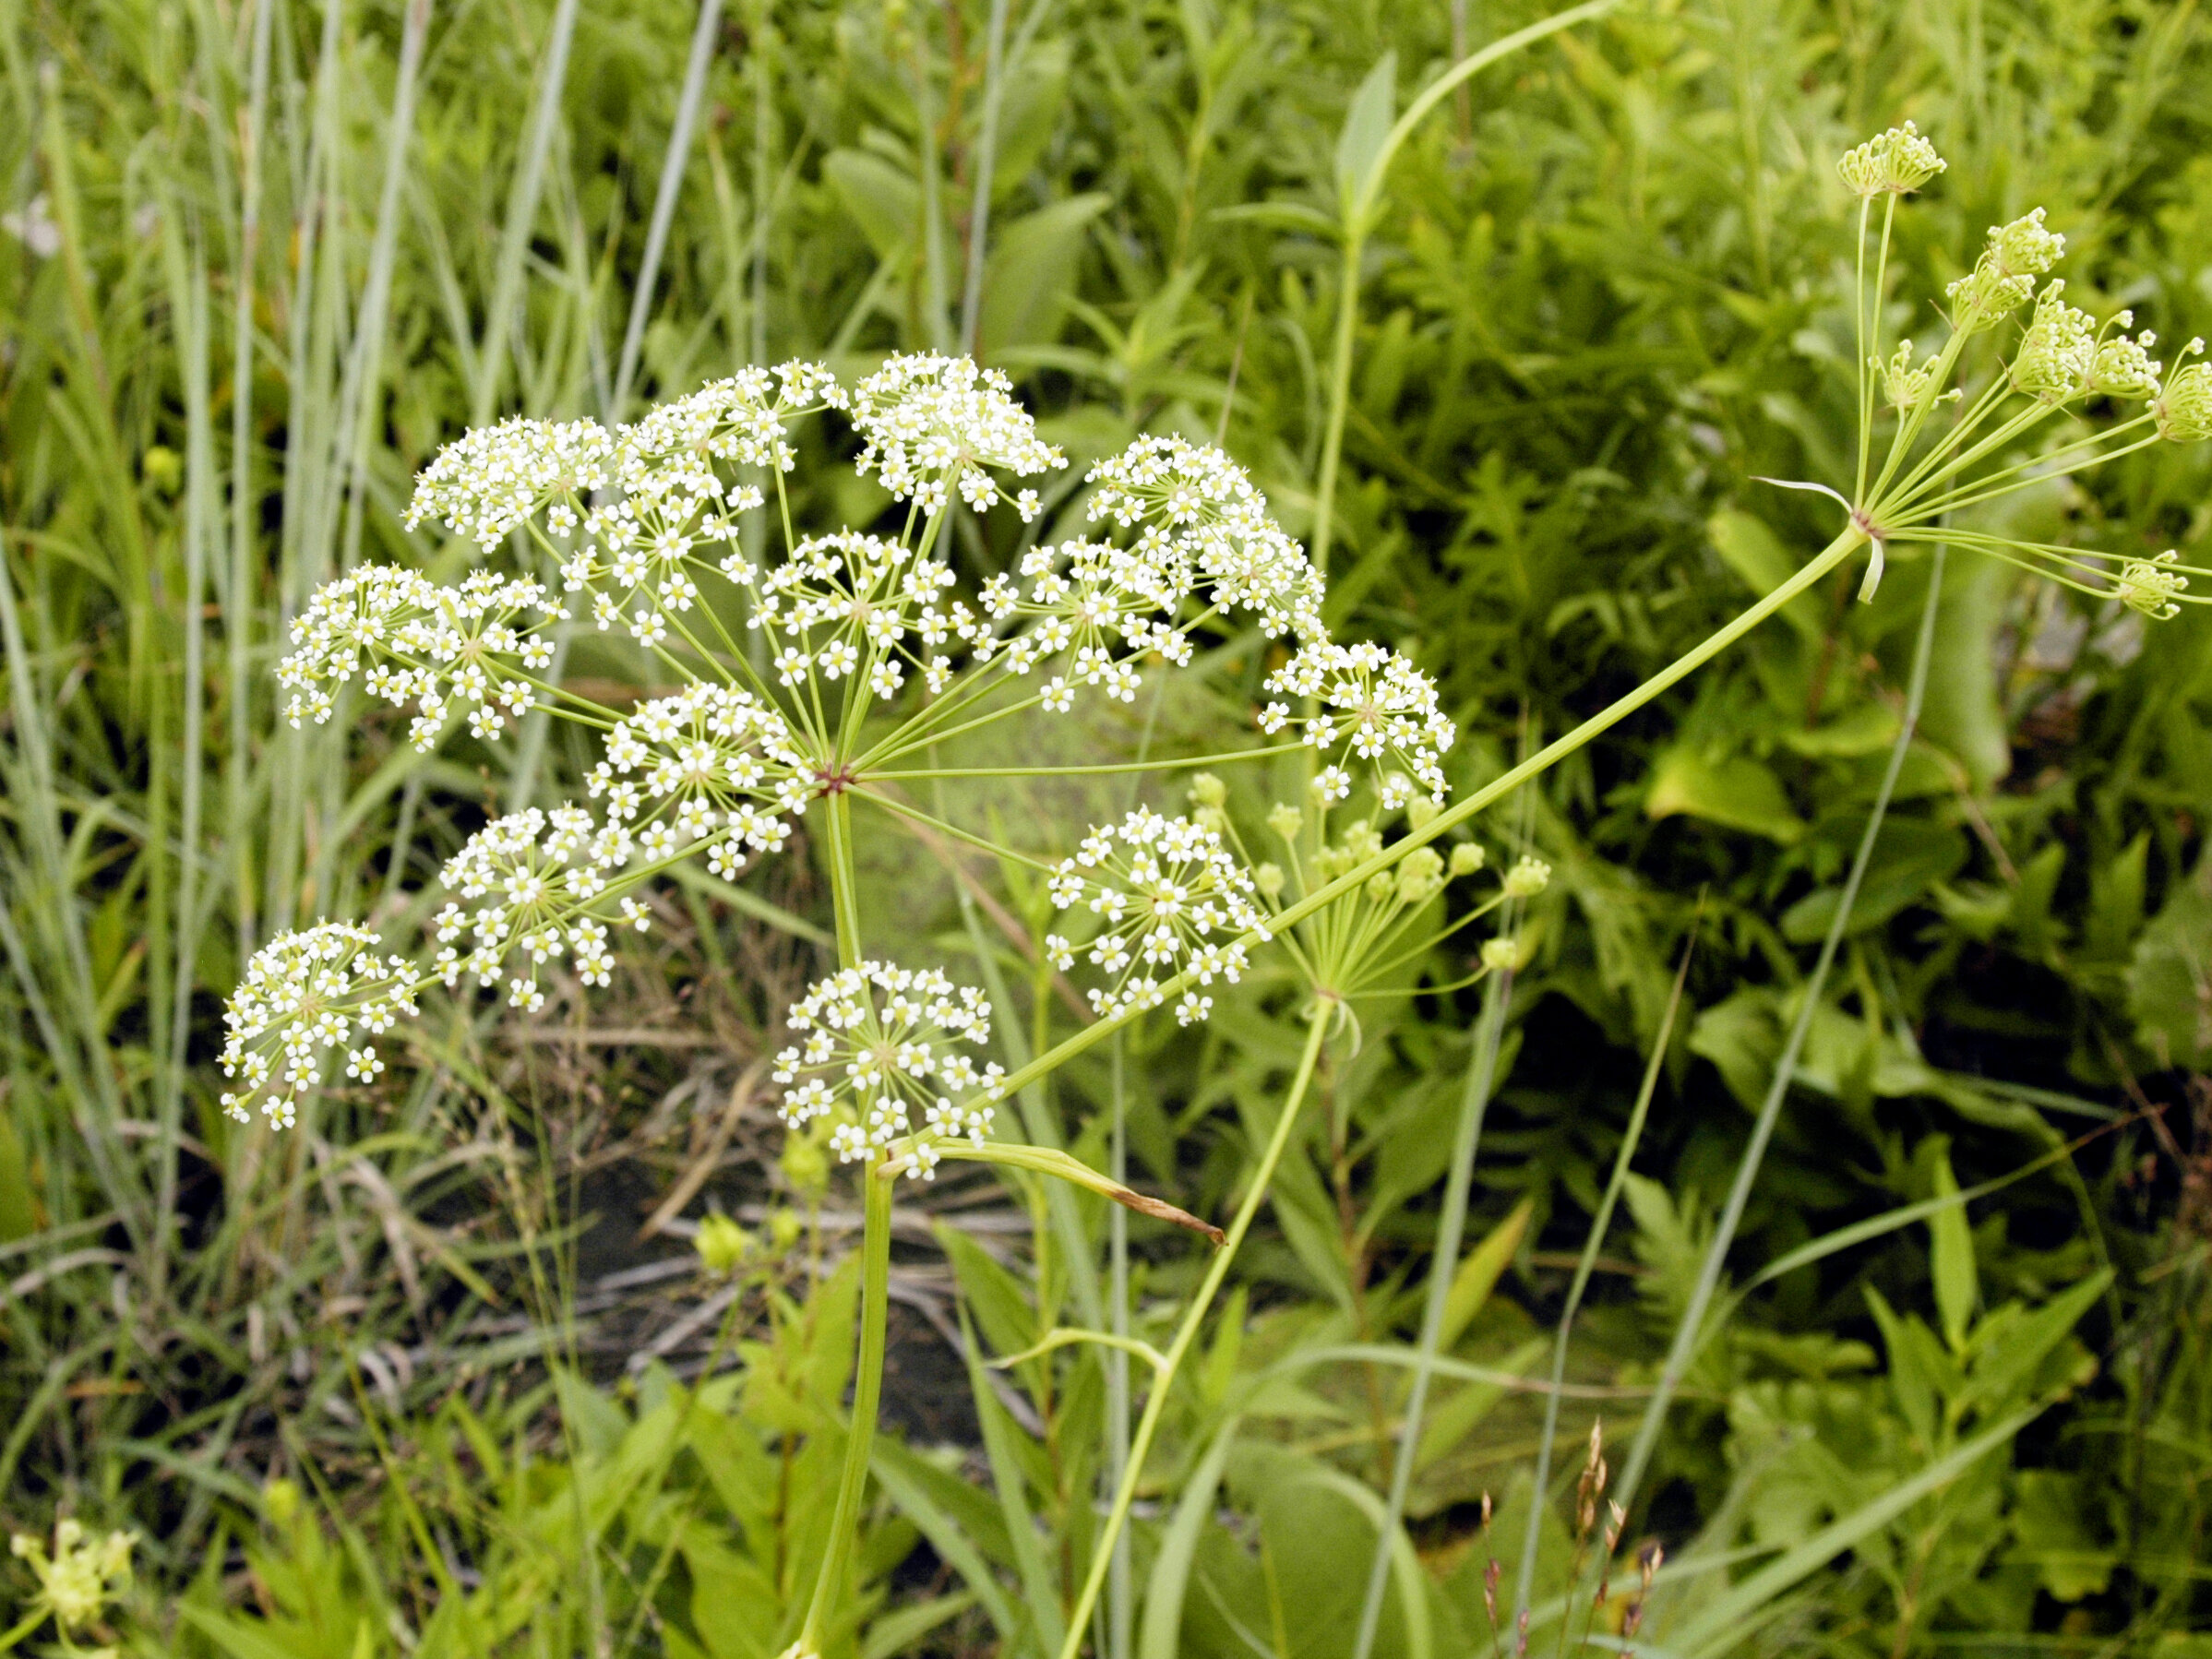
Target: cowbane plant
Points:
x,y
77,1581
828,678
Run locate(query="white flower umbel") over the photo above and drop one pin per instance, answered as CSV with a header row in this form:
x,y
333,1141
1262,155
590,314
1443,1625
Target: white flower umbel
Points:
x,y
1374,707
1169,899
489,481
877,1045
539,885
305,994
934,423
1089,612
851,604
1196,510
712,764
469,649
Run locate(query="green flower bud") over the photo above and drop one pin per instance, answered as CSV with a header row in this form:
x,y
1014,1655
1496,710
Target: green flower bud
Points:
x,y
721,1243
1466,858
1379,886
1903,384
280,1500
1528,877
1893,161
1361,842
2058,351
2184,408
1499,955
2122,368
783,1229
1206,789
1420,812
805,1165
2146,585
1330,863
1285,820
1209,817
1268,879
1986,296
2026,247
1420,874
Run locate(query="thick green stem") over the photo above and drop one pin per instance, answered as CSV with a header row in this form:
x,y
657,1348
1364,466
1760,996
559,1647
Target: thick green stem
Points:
x,y
867,1391
1163,1383
875,1272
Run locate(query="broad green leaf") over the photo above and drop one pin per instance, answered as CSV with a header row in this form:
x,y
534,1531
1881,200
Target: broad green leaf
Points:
x,y
1159,1634
1911,859
1736,793
1476,1274
1366,130
2170,983
1031,270
1723,1622
883,201
2054,1538
1753,552
1951,1248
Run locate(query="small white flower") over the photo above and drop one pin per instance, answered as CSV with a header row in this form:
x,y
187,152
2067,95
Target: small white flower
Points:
x,y
876,1048
1168,894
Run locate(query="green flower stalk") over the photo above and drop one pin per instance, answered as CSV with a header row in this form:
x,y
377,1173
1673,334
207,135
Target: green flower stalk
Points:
x,y
2033,413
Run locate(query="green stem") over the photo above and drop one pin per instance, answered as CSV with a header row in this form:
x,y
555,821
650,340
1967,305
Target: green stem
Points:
x,y
1444,1268
867,1391
875,1274
1162,1385
1340,400
1690,1329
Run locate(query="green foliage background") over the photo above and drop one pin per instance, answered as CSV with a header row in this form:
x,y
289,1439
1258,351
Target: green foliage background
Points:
x,y
1606,290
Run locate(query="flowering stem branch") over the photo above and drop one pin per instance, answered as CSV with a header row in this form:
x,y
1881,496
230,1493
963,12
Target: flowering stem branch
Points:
x,y
1847,541
1155,1400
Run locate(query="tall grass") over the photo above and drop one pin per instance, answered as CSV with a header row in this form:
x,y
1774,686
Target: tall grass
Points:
x,y
1510,365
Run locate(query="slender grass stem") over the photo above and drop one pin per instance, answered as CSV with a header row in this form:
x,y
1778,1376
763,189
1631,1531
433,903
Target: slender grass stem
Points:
x,y
1600,1223
1163,1383
1688,1329
1473,1105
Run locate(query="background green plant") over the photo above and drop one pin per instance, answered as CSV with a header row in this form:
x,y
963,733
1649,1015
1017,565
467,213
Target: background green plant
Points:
x,y
260,260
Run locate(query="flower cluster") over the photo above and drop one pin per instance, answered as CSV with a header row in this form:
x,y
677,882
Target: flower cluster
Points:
x,y
878,1045
1374,705
1892,163
2184,410
414,642
932,422
715,764
488,482
1170,899
2003,277
82,1575
858,605
741,420
532,877
2151,586
1089,608
1204,525
305,993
